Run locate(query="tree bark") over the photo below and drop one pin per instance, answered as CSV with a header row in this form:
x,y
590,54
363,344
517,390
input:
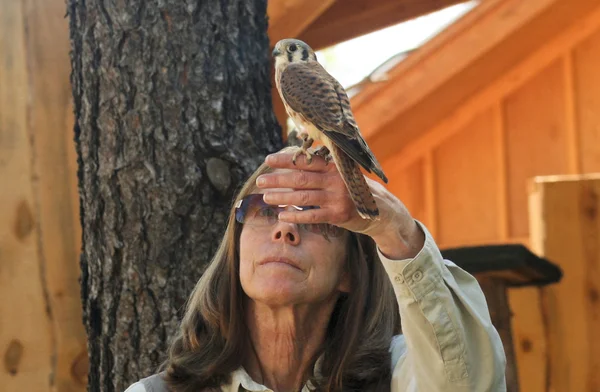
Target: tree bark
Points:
x,y
173,110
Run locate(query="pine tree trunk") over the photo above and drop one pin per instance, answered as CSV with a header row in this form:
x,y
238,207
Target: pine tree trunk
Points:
x,y
173,111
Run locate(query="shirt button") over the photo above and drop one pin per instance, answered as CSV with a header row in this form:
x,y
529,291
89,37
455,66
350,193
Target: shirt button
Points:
x,y
398,278
417,276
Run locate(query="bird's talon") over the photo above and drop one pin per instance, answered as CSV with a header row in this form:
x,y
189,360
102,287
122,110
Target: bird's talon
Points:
x,y
324,153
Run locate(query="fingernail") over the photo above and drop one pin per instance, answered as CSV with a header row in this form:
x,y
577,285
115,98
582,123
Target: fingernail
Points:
x,y
260,181
267,197
283,215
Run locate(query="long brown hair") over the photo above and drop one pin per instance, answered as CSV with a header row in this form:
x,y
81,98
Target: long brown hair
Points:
x,y
213,337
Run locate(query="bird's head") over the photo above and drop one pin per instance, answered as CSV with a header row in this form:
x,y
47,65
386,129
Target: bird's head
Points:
x,y
291,50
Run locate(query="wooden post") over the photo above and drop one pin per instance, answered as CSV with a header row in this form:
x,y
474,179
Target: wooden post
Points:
x,y
565,228
42,338
26,344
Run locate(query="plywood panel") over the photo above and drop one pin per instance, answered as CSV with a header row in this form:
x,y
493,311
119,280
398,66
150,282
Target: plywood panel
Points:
x,y
565,228
467,184
408,184
25,339
586,63
536,139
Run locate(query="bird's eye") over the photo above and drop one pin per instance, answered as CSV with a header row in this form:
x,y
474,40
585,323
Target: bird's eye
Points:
x,y
292,48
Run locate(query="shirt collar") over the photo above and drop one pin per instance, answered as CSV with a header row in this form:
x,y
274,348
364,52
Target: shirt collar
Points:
x,y
241,378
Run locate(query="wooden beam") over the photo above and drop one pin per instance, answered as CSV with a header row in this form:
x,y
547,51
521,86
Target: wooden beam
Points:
x,y
565,229
572,144
471,53
398,136
430,194
502,169
289,18
54,167
348,19
27,343
443,56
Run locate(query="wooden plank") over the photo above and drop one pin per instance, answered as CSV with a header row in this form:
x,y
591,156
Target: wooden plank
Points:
x,y
348,19
443,57
564,211
586,63
531,65
572,135
289,18
466,184
26,343
401,124
501,170
492,241
431,202
535,138
529,336
51,130
409,186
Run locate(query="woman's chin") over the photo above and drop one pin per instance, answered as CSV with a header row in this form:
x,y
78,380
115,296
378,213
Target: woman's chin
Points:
x,y
280,292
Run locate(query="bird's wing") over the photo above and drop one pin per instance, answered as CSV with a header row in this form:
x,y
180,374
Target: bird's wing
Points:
x,y
309,90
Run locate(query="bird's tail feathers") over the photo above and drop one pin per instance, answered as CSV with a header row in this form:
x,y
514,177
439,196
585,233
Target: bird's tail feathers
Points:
x,y
375,165
357,185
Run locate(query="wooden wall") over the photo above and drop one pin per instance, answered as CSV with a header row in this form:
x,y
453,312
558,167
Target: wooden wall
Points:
x,y
467,177
42,339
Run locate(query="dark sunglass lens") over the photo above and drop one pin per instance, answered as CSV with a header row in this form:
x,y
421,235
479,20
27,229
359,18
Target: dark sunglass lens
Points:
x,y
247,204
255,212
265,215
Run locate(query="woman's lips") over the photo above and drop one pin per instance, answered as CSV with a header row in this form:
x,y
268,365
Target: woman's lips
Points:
x,y
281,260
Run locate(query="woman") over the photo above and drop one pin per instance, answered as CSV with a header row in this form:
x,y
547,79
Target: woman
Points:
x,y
304,298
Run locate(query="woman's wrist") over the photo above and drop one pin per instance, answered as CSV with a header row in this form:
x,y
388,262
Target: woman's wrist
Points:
x,y
401,241
397,234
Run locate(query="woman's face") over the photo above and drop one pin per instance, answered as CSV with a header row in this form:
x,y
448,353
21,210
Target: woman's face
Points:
x,y
283,265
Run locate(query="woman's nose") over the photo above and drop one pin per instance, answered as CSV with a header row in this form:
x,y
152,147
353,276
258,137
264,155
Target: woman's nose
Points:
x,y
287,232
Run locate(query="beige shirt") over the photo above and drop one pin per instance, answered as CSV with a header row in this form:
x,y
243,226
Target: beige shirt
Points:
x,y
448,343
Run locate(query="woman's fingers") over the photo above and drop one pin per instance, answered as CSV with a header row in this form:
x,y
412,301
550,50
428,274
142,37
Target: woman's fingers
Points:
x,y
301,198
296,179
321,215
283,160
314,184
333,208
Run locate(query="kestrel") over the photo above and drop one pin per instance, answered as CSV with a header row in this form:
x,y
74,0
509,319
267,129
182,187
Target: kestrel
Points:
x,y
320,109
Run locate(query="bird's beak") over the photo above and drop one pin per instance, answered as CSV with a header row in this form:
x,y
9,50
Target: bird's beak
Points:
x,y
276,52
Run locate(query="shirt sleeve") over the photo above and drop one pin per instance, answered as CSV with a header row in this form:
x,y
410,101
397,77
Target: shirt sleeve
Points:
x,y
136,387
448,342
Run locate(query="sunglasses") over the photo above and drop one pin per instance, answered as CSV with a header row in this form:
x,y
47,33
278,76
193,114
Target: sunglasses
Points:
x,y
253,211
